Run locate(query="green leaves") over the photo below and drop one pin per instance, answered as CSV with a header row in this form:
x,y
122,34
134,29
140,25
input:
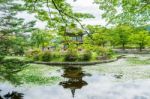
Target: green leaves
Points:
x,y
125,11
140,38
41,38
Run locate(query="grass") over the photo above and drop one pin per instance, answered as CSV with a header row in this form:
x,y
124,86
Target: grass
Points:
x,y
18,57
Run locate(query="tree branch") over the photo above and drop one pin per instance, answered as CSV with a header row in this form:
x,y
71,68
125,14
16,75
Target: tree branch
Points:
x,y
74,18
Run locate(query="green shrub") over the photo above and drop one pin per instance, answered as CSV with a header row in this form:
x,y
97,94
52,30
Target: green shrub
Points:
x,y
32,53
110,53
85,56
101,51
46,56
18,51
1,58
71,55
37,57
105,53
56,55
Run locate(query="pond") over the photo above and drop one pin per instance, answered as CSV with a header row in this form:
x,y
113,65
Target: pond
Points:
x,y
127,78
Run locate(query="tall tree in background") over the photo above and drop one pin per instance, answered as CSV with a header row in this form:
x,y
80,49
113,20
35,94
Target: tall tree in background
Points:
x,y
120,35
41,38
99,35
140,38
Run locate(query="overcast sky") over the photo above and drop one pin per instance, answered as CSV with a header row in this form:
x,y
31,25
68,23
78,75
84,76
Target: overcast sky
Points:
x,y
78,6
87,6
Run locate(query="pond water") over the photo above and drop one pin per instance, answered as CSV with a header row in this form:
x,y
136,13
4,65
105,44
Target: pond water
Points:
x,y
127,78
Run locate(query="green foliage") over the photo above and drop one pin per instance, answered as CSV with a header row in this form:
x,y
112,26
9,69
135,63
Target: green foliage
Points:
x,y
85,56
125,11
12,64
71,55
120,35
10,67
84,15
1,57
32,53
46,56
41,38
99,35
140,38
56,54
12,28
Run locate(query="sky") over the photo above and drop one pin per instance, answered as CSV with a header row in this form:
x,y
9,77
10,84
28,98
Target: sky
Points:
x,y
78,6
88,7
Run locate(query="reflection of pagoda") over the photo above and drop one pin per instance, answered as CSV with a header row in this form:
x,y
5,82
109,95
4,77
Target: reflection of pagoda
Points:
x,y
74,77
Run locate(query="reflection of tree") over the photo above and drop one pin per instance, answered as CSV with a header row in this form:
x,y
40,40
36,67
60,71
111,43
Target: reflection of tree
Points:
x,y
12,95
74,80
10,68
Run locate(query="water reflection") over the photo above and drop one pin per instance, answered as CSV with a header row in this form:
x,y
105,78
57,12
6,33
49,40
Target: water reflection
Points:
x,y
73,79
12,95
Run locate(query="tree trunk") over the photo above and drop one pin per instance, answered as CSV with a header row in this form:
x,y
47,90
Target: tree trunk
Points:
x,y
141,47
123,46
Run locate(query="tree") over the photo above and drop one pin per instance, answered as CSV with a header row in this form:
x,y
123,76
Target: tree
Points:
x,y
140,38
56,13
10,26
41,38
125,11
120,35
99,35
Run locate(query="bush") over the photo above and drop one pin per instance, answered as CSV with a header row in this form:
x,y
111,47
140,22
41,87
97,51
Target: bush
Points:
x,y
18,51
56,55
46,56
104,53
37,57
110,53
1,58
85,56
71,55
101,51
32,53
